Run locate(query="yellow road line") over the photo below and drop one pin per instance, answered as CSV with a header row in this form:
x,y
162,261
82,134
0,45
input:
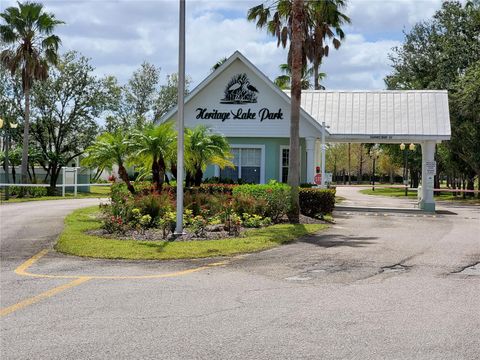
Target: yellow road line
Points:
x,y
22,270
44,295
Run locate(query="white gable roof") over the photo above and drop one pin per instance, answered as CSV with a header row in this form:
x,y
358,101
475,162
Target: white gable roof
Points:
x,y
237,62
407,115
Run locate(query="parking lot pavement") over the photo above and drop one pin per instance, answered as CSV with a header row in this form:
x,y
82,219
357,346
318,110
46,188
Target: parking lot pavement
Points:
x,y
370,287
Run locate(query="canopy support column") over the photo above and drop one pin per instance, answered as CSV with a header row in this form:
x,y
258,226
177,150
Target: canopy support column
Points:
x,y
310,146
428,156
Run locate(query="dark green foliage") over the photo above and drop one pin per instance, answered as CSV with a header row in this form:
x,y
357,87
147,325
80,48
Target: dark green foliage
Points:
x,y
316,202
33,192
443,53
154,204
248,204
275,195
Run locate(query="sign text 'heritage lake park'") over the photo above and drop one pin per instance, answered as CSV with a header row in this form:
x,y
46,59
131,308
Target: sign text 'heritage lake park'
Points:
x,y
240,114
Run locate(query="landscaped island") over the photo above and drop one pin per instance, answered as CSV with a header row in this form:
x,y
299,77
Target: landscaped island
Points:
x,y
219,220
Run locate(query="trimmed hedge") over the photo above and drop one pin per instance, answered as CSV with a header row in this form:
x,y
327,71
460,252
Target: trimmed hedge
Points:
x,y
316,202
33,192
276,197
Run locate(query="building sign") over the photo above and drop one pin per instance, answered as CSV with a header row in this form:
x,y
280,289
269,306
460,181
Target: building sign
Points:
x,y
431,167
239,90
239,114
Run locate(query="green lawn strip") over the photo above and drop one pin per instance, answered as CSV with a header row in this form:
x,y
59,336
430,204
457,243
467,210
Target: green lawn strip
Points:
x,y
74,241
399,192
95,192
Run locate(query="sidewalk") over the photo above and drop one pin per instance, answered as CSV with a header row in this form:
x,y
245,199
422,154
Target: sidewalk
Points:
x,y
356,200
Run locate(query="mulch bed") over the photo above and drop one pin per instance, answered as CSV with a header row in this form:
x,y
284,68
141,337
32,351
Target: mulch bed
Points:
x,y
213,232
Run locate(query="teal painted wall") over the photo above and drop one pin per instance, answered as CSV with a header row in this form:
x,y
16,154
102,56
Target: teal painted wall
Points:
x,y
272,155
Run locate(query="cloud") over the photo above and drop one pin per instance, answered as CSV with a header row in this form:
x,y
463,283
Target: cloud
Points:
x,y
118,35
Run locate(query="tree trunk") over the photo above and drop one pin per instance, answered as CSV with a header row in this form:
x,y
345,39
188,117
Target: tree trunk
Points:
x,y
296,46
478,185
316,66
122,172
349,165
14,175
162,169
173,169
470,186
156,174
55,172
198,176
360,166
26,129
414,178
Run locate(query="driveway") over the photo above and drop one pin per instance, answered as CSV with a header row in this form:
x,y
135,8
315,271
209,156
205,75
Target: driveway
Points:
x,y
373,286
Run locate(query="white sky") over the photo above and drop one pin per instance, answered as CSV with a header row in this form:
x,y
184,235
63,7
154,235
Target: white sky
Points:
x,y
119,35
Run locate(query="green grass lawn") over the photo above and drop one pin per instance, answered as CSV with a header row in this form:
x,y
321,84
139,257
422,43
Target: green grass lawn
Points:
x,y
95,192
74,241
400,192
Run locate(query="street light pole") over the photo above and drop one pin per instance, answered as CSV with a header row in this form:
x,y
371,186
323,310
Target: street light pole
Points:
x,y
180,119
411,147
7,180
374,154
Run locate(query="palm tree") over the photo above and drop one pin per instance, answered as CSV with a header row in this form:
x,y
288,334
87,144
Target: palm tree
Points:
x,y
290,22
296,49
204,148
32,48
325,15
110,149
155,147
218,63
283,81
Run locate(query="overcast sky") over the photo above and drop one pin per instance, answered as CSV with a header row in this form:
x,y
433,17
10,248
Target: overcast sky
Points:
x,y
119,35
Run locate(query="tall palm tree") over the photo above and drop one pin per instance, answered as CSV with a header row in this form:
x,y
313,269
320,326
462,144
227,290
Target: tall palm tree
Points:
x,y
110,149
297,54
326,21
284,81
203,148
289,23
31,49
155,147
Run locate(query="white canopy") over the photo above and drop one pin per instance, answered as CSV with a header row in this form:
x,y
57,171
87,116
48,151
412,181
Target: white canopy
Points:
x,y
388,116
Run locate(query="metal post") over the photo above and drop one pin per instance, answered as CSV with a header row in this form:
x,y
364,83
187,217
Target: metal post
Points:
x,y
7,145
180,119
373,177
323,155
75,182
63,181
405,177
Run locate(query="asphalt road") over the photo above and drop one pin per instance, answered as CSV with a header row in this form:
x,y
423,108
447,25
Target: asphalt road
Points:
x,y
373,286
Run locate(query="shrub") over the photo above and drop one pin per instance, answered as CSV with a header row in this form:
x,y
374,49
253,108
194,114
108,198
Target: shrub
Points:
x,y
34,191
316,202
275,195
233,224
167,223
255,221
217,188
154,204
245,203
198,225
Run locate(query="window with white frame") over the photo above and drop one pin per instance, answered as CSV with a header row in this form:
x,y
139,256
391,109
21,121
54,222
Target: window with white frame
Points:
x,y
284,153
284,161
248,163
